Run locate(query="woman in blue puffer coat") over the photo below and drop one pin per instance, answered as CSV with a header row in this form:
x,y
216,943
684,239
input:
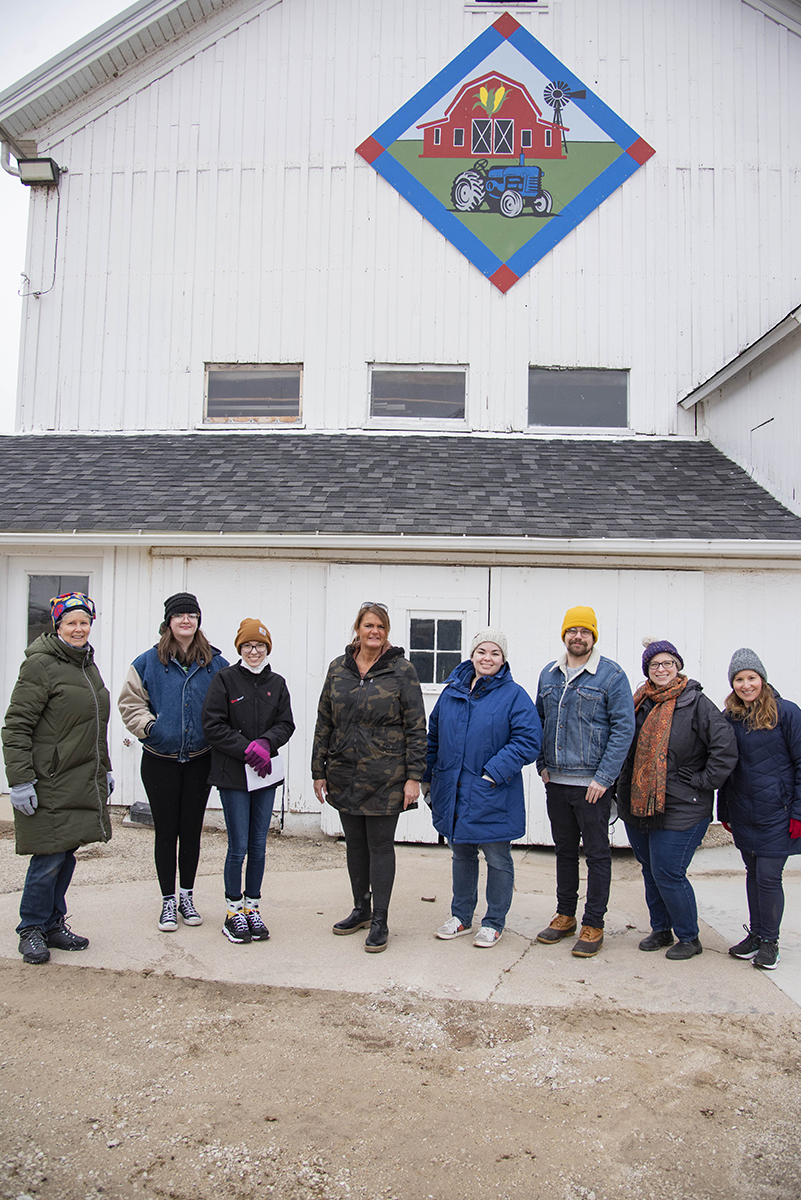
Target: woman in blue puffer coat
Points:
x,y
761,801
482,732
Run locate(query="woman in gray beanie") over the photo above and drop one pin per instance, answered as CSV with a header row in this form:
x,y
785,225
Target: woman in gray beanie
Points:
x,y
761,801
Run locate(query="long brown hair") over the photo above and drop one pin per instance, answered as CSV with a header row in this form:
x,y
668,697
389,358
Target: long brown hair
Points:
x,y
761,713
377,610
169,647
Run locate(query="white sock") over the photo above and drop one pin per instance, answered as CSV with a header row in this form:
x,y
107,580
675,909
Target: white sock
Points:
x,y
186,892
234,906
250,905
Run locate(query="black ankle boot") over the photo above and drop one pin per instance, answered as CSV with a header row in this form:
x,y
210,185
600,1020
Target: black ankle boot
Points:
x,y
377,937
359,919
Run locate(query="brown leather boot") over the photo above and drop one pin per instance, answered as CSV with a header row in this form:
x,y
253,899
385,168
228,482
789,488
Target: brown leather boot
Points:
x,y
589,942
560,927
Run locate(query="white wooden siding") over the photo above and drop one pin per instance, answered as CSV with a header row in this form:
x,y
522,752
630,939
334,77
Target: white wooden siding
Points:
x,y
755,419
214,210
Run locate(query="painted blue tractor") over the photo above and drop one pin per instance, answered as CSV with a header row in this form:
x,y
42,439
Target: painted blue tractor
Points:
x,y
506,189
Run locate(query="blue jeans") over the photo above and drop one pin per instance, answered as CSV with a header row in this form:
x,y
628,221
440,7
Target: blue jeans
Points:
x,y
247,819
573,820
763,887
665,855
43,900
500,882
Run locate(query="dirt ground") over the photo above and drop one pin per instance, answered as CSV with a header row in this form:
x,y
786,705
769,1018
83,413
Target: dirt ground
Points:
x,y
118,1084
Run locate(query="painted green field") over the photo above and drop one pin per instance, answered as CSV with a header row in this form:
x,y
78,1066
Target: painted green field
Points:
x,y
563,178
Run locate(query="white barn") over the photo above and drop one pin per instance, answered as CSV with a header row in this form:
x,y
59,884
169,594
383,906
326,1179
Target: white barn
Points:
x,y
251,369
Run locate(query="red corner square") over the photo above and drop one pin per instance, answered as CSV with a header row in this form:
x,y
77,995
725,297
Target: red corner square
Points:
x,y
506,25
503,278
640,151
370,150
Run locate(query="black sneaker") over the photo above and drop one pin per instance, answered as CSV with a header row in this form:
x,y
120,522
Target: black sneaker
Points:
x,y
748,947
186,907
767,956
258,930
61,937
32,945
236,928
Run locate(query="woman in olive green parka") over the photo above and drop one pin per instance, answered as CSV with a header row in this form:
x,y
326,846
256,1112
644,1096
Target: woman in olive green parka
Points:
x,y
58,768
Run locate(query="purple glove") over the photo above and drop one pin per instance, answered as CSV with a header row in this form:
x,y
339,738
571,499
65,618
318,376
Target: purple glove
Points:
x,y
257,756
795,828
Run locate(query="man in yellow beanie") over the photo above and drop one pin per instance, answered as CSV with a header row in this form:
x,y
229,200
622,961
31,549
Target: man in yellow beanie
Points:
x,y
587,713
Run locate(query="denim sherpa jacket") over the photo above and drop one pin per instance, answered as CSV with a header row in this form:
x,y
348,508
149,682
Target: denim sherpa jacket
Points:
x,y
588,723
171,698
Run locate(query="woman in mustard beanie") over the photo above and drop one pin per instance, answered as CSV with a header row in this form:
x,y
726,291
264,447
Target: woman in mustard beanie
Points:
x,y
246,717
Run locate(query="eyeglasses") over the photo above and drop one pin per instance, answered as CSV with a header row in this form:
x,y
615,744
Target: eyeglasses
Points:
x,y
373,604
190,616
664,665
572,632
252,647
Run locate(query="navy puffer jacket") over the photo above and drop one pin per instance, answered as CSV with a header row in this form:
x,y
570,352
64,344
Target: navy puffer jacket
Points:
x,y
492,730
763,792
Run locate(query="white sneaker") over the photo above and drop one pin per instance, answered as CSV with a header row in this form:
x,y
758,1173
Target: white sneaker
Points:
x,y
487,936
452,928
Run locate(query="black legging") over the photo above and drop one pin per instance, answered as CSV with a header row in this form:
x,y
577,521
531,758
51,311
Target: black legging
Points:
x,y
177,793
370,846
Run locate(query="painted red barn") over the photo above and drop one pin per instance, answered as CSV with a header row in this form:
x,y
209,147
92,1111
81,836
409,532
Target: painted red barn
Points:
x,y
495,117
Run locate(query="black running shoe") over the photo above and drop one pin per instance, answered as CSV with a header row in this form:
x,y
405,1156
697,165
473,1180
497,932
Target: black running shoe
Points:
x,y
767,956
258,930
748,947
236,928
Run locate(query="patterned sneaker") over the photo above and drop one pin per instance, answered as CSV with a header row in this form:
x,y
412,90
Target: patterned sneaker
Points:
x,y
32,945
168,921
748,947
186,907
453,928
767,956
236,927
61,937
258,930
487,936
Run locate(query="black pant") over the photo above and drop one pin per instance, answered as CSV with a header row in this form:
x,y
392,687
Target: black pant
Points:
x,y
177,793
574,819
370,846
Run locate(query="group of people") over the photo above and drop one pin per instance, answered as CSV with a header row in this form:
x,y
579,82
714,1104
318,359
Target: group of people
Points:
x,y
661,753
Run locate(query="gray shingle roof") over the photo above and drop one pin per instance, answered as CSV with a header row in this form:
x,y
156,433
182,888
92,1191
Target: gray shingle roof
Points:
x,y
342,483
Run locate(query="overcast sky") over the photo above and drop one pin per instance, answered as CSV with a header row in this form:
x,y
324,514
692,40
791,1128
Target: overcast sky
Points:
x,y
30,33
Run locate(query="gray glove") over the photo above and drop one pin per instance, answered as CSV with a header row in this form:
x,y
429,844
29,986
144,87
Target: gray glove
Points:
x,y
110,782
24,799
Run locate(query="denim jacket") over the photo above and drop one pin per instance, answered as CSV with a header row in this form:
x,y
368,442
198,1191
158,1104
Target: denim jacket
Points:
x,y
588,723
163,705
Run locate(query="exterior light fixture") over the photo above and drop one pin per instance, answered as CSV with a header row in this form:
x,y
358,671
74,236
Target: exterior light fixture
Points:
x,y
34,171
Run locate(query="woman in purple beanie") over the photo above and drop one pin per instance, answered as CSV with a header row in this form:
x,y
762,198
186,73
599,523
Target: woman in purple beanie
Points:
x,y
682,750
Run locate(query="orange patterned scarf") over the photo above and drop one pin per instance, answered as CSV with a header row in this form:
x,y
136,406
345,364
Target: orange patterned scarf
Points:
x,y
649,774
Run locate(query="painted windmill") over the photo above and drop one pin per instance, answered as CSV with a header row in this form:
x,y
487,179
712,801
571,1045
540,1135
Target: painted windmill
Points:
x,y
557,95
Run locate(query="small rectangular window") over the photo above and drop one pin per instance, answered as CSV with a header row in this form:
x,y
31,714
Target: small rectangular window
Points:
x,y
421,392
578,397
547,137
458,137
437,136
258,393
525,139
435,647
41,590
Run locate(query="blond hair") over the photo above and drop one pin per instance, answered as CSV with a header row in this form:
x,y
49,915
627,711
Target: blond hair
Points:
x,y
761,713
377,610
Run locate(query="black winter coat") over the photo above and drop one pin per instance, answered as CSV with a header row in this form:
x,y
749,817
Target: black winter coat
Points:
x,y
764,791
700,739
239,708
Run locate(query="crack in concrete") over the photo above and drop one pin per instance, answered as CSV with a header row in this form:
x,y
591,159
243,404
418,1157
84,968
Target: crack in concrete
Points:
x,y
508,970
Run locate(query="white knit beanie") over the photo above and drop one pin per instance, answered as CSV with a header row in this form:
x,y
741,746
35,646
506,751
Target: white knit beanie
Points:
x,y
490,635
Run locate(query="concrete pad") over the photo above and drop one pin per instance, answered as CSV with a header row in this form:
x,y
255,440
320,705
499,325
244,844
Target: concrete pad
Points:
x,y
300,907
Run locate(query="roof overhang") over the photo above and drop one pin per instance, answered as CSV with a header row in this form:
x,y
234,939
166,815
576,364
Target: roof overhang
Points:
x,y
783,12
96,59
607,553
745,360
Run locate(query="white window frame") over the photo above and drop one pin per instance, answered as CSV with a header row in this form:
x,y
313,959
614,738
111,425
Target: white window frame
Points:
x,y
411,423
442,612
